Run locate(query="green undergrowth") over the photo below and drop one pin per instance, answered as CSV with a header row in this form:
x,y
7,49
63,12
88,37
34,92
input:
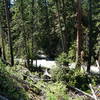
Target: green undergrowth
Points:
x,y
74,78
9,86
53,91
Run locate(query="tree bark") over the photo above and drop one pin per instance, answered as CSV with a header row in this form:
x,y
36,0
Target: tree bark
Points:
x,y
32,38
62,36
24,34
3,43
9,31
65,25
0,53
79,33
90,36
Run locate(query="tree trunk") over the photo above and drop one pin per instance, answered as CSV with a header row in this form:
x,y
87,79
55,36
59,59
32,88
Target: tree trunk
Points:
x,y
24,33
9,30
0,52
3,50
32,38
65,25
62,36
3,44
79,33
90,36
47,15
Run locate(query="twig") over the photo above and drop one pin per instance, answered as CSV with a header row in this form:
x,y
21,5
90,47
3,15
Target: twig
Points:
x,y
97,63
82,92
95,98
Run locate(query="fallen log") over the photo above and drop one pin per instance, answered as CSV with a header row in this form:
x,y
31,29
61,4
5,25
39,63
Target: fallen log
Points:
x,y
88,95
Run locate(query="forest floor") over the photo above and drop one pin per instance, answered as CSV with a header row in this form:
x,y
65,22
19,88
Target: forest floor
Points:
x,y
38,89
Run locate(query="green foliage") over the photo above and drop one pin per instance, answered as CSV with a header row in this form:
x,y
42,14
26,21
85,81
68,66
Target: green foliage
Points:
x,y
73,78
40,29
64,58
2,66
9,87
53,91
72,53
63,74
57,92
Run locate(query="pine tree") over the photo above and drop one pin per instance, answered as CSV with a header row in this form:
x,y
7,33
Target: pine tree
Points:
x,y
79,33
7,12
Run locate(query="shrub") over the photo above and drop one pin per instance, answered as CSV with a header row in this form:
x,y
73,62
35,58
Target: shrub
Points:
x,y
9,87
64,58
59,73
71,77
57,91
72,53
